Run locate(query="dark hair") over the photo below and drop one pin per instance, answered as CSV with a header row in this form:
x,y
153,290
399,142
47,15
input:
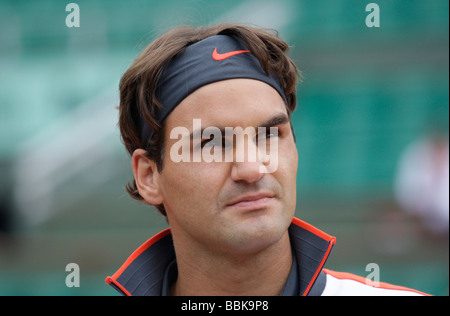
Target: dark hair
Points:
x,y
139,83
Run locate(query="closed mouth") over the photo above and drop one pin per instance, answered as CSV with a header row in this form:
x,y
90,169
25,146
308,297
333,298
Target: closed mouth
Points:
x,y
252,200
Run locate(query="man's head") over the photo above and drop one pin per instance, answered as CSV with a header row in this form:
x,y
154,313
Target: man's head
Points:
x,y
227,200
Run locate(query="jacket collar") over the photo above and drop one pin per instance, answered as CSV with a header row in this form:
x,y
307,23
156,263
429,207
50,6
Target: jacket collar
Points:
x,y
143,272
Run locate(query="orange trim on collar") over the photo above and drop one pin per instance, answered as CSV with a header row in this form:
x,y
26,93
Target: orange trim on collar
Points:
x,y
321,234
313,230
136,254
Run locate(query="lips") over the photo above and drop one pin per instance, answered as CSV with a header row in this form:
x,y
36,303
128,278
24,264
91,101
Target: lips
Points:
x,y
252,201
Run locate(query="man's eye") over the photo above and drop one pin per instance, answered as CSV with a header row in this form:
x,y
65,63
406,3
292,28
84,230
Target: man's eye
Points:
x,y
214,142
267,135
208,143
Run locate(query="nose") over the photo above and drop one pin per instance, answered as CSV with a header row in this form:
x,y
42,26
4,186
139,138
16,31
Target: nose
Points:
x,y
247,165
249,172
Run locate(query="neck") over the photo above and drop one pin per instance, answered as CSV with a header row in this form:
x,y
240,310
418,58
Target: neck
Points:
x,y
263,273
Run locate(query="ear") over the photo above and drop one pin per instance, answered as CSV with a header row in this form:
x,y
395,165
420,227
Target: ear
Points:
x,y
147,177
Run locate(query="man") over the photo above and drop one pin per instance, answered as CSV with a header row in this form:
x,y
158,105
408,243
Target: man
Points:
x,y
199,110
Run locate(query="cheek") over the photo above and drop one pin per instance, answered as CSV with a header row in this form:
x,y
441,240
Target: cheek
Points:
x,y
191,187
288,157
287,170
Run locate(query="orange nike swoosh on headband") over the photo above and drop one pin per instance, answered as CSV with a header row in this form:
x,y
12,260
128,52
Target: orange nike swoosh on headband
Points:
x,y
218,57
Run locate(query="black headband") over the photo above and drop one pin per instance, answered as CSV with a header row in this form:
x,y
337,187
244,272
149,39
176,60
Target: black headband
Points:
x,y
213,59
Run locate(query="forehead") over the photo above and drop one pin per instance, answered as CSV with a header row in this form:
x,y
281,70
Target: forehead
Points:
x,y
234,102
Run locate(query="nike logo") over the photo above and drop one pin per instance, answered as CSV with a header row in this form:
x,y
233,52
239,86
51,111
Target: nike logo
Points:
x,y
218,57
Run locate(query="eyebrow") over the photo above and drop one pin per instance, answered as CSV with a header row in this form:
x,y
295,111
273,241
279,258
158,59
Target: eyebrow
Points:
x,y
278,119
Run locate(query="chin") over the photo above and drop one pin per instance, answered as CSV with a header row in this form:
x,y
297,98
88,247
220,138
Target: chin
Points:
x,y
257,232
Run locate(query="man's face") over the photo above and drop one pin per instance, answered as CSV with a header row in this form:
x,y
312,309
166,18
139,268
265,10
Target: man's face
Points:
x,y
230,206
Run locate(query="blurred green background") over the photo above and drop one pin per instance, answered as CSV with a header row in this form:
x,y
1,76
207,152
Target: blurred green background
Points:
x,y
367,93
